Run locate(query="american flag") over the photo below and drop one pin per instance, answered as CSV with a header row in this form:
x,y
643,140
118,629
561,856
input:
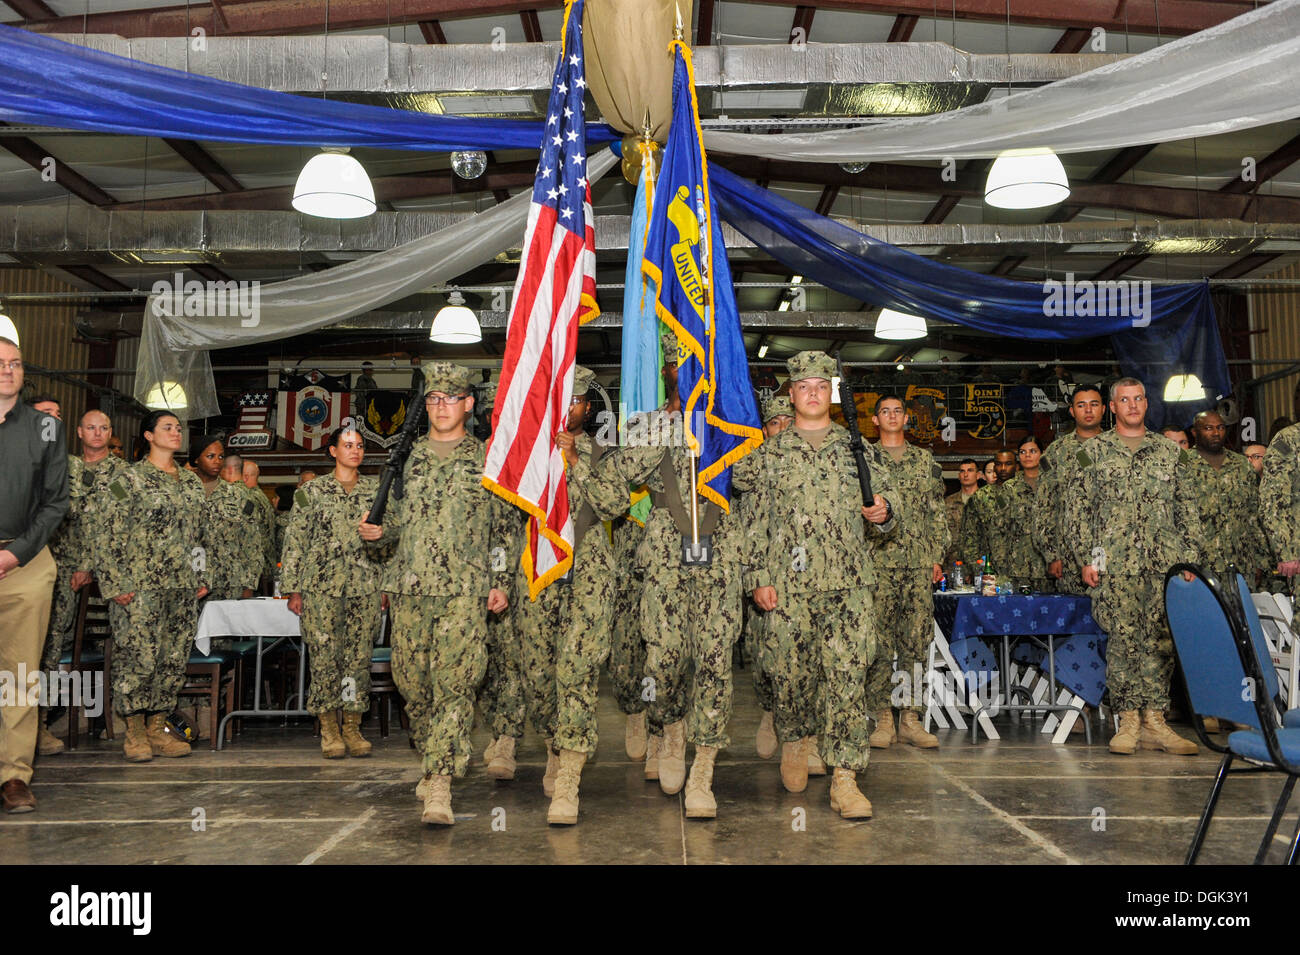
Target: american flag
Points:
x,y
554,293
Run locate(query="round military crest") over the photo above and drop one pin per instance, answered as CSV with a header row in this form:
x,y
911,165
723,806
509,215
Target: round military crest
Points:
x,y
313,409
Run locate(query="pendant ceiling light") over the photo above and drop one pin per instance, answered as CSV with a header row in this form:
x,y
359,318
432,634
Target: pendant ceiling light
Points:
x,y
899,327
8,329
333,185
455,323
1184,388
167,396
1026,179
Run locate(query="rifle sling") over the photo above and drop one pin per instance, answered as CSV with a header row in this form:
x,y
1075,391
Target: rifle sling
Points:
x,y
586,519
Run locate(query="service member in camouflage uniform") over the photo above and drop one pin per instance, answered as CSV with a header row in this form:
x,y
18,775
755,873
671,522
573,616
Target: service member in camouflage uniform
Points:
x,y
332,579
1134,517
565,632
778,414
1279,499
150,559
266,519
1024,564
909,563
810,567
234,549
690,613
1227,501
1060,483
984,531
627,645
88,479
501,697
968,480
450,570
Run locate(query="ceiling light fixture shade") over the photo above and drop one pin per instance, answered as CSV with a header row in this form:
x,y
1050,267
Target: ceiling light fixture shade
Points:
x,y
167,396
899,327
455,323
1184,388
333,185
1026,179
8,329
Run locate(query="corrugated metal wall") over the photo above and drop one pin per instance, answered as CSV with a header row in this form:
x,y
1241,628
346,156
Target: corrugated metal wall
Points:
x,y
1278,315
47,335
126,426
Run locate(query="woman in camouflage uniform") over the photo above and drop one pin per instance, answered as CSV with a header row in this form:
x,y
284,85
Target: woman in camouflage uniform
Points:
x,y
150,562
332,578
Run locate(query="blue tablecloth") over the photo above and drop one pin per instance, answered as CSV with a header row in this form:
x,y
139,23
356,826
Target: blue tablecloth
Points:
x,y
974,627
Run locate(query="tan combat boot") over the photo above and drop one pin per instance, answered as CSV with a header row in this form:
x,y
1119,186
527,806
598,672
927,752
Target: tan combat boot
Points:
x,y
352,738
634,737
672,758
1156,734
437,803
1125,740
47,744
816,765
884,734
502,763
700,803
652,746
846,798
489,751
911,731
552,768
422,787
765,742
564,804
331,742
794,765
161,742
136,746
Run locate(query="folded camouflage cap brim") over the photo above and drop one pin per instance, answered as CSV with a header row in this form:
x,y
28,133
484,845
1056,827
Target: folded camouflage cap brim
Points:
x,y
447,377
583,379
811,364
776,406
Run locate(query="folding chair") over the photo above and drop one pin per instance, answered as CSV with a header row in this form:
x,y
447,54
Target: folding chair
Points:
x,y
1281,642
1221,648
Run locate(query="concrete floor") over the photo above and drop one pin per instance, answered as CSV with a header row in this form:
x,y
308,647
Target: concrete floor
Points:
x,y
270,798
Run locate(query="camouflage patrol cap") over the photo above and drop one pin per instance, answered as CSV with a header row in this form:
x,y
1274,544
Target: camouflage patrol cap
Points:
x,y
583,379
775,406
672,354
811,364
447,377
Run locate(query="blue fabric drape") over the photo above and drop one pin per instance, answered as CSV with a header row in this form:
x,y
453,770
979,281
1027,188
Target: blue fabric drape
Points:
x,y
48,82
1156,330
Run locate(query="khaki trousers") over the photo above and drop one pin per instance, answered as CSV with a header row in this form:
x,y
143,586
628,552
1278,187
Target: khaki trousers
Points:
x,y
25,594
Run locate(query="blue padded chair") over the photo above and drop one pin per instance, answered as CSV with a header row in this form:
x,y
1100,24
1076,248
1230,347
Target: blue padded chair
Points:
x,y
1224,657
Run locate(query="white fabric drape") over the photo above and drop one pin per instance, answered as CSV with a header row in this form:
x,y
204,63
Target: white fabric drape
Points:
x,y
174,348
1242,73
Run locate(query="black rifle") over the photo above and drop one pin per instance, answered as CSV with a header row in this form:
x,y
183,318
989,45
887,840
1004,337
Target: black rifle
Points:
x,y
392,473
849,405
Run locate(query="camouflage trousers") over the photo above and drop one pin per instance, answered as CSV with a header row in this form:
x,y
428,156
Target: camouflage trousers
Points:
x,y
152,637
627,647
823,643
760,655
1139,650
340,634
63,620
439,659
501,697
691,618
904,614
565,636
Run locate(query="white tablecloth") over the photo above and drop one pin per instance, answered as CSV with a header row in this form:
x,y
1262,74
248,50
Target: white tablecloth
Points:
x,y
260,616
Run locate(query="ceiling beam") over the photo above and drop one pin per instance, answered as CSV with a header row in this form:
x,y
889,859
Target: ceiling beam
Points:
x,y
1072,40
803,18
1166,17
902,29
1247,263
31,9
387,189
281,17
40,159
974,169
431,30
827,200
532,26
704,25
93,276
204,164
1271,165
